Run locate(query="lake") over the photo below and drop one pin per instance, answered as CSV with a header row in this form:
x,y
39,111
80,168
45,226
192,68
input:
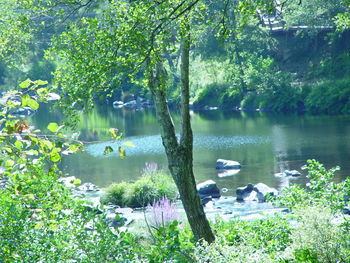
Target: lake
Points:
x,y
263,143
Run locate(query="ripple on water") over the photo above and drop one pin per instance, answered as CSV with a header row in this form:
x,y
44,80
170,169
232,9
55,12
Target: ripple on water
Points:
x,y
153,145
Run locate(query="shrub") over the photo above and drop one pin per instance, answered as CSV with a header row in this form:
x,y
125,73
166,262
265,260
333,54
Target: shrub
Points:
x,y
331,97
231,98
150,187
210,95
40,221
317,238
321,190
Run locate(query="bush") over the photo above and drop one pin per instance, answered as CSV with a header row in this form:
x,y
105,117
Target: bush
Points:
x,y
210,95
317,238
331,97
231,98
152,186
321,190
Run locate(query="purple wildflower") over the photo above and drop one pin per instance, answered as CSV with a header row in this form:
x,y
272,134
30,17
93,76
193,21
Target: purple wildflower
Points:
x,y
162,212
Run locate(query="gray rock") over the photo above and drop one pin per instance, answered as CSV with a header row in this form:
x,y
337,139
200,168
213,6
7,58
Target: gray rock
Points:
x,y
131,104
68,181
115,220
51,96
257,192
88,187
118,104
346,211
24,111
206,200
222,164
289,173
208,189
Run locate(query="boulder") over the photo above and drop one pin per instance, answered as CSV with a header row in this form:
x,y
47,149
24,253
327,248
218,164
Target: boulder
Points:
x,y
222,164
51,96
88,187
208,189
131,104
24,111
289,173
68,181
118,104
257,192
115,220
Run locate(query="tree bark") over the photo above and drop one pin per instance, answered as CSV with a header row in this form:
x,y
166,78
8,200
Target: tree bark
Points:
x,y
180,154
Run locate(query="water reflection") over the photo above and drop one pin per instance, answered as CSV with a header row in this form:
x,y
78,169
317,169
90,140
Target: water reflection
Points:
x,y
264,144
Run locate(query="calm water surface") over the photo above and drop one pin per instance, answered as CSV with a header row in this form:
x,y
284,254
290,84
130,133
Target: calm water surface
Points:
x,y
264,144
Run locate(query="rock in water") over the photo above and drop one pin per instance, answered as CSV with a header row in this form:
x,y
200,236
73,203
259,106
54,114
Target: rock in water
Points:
x,y
256,192
208,189
227,164
288,173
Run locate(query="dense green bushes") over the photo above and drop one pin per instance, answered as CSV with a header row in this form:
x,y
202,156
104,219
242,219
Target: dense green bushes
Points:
x,y
330,97
152,186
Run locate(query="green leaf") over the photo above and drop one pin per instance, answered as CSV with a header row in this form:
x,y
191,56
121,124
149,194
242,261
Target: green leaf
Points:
x,y
9,163
33,104
42,92
114,133
129,144
76,182
40,82
53,127
25,84
108,150
18,145
122,153
39,225
55,157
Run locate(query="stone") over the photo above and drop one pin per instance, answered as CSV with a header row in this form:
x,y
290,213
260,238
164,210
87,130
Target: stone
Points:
x,y
115,220
131,104
68,181
208,189
222,164
289,173
118,104
346,211
257,192
206,200
24,111
51,96
88,187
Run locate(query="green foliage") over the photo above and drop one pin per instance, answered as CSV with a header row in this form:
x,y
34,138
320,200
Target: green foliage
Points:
x,y
318,238
321,189
270,234
151,186
329,97
40,221
170,244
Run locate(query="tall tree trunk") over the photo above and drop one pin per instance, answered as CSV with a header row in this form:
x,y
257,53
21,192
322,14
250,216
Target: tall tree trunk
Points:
x,y
180,154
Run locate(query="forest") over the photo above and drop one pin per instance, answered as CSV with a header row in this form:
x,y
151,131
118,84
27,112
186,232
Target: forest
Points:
x,y
180,59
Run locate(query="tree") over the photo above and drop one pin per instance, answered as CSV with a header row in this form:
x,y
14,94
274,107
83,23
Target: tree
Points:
x,y
134,38
117,40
